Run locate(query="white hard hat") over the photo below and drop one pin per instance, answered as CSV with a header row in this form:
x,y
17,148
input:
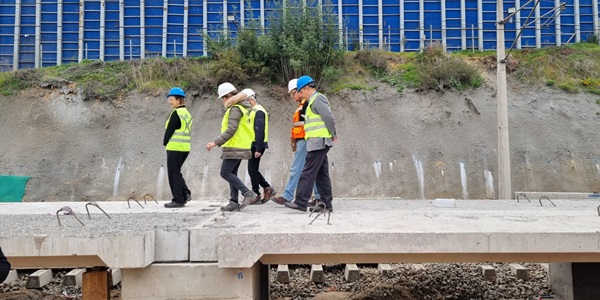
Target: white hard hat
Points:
x,y
248,92
292,84
225,88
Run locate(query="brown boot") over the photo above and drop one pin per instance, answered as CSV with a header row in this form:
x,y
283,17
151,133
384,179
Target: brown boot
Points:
x,y
269,192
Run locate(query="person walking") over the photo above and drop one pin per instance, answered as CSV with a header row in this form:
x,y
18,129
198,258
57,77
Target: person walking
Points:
x,y
4,266
260,121
320,134
177,143
298,147
235,139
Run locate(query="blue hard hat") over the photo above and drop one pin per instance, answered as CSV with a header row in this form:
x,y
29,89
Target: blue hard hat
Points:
x,y
303,81
176,91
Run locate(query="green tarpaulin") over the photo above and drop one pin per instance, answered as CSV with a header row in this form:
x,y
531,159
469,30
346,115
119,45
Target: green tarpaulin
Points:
x,y
12,188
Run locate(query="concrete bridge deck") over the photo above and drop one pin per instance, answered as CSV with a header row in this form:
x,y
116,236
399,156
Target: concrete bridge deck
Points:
x,y
361,231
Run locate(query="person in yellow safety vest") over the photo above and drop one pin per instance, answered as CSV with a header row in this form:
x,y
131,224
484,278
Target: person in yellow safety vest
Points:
x,y
178,131
320,134
235,139
298,144
260,122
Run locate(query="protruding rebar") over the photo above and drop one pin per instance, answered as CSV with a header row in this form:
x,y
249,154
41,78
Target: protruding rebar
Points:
x,y
96,205
546,197
150,197
130,198
67,211
324,211
524,195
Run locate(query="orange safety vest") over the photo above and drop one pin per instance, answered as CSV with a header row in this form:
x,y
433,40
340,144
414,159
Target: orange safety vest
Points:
x,y
298,129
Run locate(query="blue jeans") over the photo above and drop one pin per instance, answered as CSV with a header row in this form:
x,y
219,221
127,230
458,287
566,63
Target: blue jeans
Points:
x,y
295,170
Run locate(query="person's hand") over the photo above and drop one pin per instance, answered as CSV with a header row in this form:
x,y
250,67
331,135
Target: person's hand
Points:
x,y
294,146
334,139
210,145
256,154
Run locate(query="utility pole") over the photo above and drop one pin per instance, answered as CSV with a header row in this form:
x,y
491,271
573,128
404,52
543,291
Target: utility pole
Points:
x,y
504,181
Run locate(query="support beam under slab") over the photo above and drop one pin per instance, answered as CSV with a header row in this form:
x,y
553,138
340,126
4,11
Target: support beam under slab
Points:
x,y
575,281
95,285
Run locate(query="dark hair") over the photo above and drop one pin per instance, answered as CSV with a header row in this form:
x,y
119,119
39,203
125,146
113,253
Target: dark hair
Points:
x,y
312,85
179,98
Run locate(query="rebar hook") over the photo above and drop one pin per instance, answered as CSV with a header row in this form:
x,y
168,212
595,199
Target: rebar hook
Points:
x,y
96,205
324,211
546,197
522,194
67,211
130,198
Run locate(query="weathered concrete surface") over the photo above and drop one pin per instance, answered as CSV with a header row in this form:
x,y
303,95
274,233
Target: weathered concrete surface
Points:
x,y
415,231
31,237
189,281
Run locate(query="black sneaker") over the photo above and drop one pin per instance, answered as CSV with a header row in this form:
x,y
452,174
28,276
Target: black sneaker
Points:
x,y
295,206
313,202
174,204
188,197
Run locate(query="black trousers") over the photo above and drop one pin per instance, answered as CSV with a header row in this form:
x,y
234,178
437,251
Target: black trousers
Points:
x,y
229,170
255,176
316,169
179,189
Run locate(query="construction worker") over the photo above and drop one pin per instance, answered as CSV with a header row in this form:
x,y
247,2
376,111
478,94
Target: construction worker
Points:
x,y
298,144
320,134
235,139
260,121
177,142
4,266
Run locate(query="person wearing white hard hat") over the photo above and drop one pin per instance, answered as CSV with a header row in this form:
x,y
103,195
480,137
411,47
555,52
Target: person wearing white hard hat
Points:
x,y
235,141
320,134
260,122
177,143
298,147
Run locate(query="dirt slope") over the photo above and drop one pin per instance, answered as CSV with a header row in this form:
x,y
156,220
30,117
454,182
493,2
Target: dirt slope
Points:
x,y
71,148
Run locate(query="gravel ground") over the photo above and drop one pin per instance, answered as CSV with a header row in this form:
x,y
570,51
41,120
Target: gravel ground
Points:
x,y
434,281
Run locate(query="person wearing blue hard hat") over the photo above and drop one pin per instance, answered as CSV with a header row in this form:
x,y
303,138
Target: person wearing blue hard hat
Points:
x,y
320,134
176,140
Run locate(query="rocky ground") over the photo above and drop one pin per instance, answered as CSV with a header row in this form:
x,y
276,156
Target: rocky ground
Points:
x,y
433,281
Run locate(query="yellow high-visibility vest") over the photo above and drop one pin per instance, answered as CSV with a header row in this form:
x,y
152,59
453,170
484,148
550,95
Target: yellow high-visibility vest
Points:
x,y
180,140
313,124
244,135
256,108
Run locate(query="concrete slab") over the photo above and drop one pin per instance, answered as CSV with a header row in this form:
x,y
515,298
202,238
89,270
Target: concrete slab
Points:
x,y
489,273
115,276
74,277
189,281
317,274
519,271
39,279
384,269
126,240
535,196
351,273
11,278
414,231
283,274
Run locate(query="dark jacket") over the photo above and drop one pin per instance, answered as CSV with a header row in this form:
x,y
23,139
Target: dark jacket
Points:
x,y
4,266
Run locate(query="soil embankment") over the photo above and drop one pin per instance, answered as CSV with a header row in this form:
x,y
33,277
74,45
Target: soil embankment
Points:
x,y
72,148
